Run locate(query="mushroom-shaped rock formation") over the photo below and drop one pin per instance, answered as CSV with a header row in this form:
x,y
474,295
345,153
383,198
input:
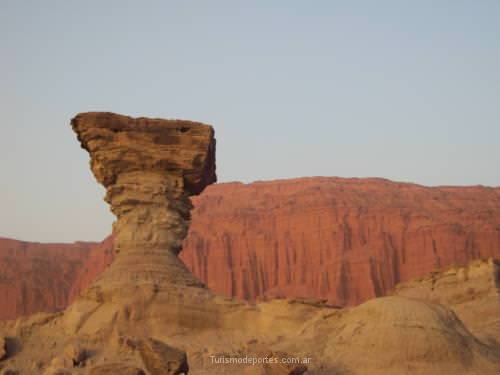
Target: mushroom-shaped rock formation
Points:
x,y
149,168
147,303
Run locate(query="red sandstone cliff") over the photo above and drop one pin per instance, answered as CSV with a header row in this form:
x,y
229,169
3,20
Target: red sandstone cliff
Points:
x,y
46,277
345,240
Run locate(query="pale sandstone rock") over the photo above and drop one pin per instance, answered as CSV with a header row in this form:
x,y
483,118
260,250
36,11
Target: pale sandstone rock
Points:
x,y
149,168
471,291
75,353
148,293
57,371
37,366
62,361
401,335
125,343
162,359
116,369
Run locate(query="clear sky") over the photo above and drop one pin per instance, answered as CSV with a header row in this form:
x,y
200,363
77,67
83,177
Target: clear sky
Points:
x,y
406,90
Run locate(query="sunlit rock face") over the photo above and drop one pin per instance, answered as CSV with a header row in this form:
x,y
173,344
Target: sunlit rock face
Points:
x,y
149,168
147,312
344,240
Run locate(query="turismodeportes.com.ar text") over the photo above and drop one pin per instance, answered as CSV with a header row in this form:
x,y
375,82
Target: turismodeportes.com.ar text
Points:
x,y
249,360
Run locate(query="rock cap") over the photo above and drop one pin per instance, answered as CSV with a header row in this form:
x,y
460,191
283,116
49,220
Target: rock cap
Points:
x,y
120,144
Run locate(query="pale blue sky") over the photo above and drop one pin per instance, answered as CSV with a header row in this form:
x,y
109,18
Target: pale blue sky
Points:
x,y
406,90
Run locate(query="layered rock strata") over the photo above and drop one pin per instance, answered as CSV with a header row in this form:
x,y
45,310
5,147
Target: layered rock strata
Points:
x,y
342,239
471,291
149,169
36,277
146,305
345,240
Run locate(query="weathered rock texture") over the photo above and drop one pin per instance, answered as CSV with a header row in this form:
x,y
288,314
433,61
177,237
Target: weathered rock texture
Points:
x,y
116,368
147,295
47,277
161,359
346,240
149,168
471,291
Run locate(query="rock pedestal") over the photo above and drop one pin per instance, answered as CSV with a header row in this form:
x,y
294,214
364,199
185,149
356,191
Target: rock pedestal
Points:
x,y
149,168
147,312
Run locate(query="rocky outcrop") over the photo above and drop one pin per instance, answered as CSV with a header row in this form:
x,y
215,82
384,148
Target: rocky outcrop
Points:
x,y
471,291
148,296
76,354
344,240
407,336
161,359
149,169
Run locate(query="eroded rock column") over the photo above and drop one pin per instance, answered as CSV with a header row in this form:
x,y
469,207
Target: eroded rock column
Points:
x,y
149,168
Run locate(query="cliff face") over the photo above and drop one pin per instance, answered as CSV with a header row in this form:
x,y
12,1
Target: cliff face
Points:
x,y
147,312
345,240
46,277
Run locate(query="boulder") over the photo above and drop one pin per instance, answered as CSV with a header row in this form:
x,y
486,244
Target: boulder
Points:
x,y
76,354
162,359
